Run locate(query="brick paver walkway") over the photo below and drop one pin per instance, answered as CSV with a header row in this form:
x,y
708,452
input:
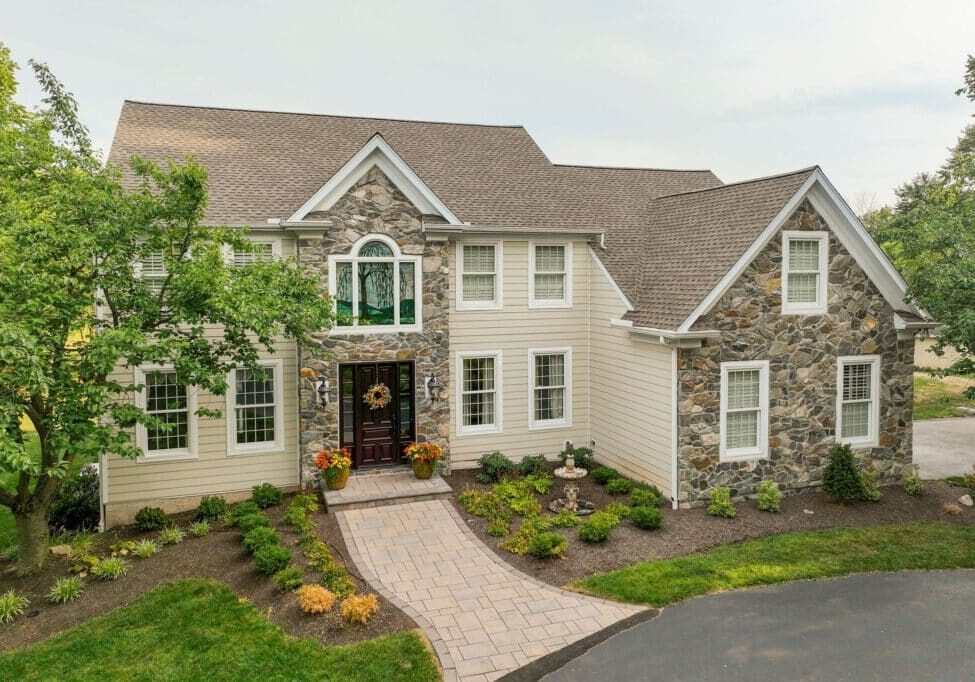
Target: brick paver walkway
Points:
x,y
483,617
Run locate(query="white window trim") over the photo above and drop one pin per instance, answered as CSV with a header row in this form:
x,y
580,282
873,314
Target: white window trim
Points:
x,y
822,302
498,426
275,243
566,420
566,301
872,439
498,302
266,447
142,435
761,451
397,258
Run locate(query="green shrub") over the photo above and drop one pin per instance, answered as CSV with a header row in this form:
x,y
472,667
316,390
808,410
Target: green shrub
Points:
x,y
769,497
547,546
295,516
540,483
211,508
969,479
145,549
245,508
520,541
289,578
868,481
603,475
647,518
76,506
619,486
841,478
518,496
251,521
200,529
645,495
532,464
618,509
721,503
498,528
150,518
65,590
12,605
913,485
582,456
338,582
259,537
494,466
110,569
566,518
266,495
306,502
270,559
489,505
171,536
598,527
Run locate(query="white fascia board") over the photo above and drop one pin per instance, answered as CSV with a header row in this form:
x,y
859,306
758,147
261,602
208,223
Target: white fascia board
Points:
x,y
663,336
377,152
514,231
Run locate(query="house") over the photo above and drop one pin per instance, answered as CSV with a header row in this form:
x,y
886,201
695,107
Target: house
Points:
x,y
694,333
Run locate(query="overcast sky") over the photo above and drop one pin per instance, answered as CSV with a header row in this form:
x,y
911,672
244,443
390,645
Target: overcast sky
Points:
x,y
864,89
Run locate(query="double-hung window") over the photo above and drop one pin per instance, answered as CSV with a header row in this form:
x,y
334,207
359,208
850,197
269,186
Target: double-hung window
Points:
x,y
479,279
261,249
480,392
550,275
805,272
858,400
254,409
173,406
152,271
551,388
744,409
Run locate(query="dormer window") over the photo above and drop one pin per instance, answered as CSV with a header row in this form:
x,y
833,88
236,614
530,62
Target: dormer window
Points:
x,y
805,272
375,287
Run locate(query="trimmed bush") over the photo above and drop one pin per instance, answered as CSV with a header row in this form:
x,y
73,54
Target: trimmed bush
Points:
x,y
359,608
647,518
212,508
644,495
841,478
597,528
912,483
270,559
566,518
75,507
494,466
289,578
548,546
603,475
619,486
721,504
532,464
151,518
315,599
65,590
259,537
618,509
582,457
266,495
251,521
769,497
245,509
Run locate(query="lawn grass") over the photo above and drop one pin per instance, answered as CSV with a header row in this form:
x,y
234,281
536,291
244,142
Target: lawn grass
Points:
x,y
940,397
789,556
198,630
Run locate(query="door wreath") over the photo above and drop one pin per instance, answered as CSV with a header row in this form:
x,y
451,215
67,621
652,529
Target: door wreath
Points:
x,y
378,396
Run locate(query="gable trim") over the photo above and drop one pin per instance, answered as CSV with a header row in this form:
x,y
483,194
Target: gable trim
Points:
x,y
612,282
844,225
377,152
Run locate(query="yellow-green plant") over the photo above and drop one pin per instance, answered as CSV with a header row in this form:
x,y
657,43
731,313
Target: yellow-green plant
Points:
x,y
769,496
66,589
12,605
721,504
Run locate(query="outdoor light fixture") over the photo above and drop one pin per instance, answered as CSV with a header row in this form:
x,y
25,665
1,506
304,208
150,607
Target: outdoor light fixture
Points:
x,y
433,388
323,387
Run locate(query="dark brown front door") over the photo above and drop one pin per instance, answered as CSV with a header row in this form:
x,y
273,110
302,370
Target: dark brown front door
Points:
x,y
376,436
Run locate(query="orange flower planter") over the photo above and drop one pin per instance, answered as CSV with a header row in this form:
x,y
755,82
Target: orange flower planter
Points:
x,y
422,470
335,479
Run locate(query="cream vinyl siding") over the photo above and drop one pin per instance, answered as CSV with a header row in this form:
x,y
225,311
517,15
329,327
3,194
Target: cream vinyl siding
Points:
x,y
213,470
632,400
515,329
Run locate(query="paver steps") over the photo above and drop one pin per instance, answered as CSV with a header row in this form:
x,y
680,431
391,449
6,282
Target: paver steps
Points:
x,y
383,487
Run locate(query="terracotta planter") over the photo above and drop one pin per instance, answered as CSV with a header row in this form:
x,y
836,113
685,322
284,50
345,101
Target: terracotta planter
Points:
x,y
335,479
423,470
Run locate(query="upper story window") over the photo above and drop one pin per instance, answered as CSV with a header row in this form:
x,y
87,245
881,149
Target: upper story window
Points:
x,y
254,408
550,275
744,409
173,404
262,249
376,288
858,400
479,278
805,272
151,269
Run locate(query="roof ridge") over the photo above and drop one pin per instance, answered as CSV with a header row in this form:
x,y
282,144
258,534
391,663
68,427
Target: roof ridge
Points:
x,y
635,168
740,182
305,113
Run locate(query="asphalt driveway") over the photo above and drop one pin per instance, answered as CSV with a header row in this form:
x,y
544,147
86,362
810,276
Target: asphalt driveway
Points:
x,y
889,626
944,447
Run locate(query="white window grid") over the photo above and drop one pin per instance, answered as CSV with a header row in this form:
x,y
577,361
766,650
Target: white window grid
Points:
x,y
479,278
550,276
550,388
744,410
255,409
479,392
805,272
857,401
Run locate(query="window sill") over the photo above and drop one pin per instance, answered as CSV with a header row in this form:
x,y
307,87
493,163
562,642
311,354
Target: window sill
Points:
x,y
859,444
742,455
172,456
480,431
549,425
471,306
804,311
259,449
374,329
542,305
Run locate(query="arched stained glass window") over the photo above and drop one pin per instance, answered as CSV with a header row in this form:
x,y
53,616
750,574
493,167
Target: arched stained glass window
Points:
x,y
375,249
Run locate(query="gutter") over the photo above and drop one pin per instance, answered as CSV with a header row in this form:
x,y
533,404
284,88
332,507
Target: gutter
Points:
x,y
665,336
466,228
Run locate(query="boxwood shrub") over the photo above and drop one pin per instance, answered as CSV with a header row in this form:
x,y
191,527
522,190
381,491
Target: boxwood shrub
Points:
x,y
647,518
271,558
598,527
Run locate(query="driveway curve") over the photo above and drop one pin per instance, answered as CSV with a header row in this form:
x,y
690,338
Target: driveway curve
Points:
x,y
885,626
944,447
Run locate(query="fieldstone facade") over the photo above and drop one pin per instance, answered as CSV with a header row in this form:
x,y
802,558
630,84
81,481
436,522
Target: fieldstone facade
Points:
x,y
802,352
375,206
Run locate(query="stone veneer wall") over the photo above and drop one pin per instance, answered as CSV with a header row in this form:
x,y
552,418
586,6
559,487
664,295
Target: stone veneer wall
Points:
x,y
375,206
802,352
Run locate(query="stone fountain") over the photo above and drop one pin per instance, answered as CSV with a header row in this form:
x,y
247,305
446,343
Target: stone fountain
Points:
x,y
570,499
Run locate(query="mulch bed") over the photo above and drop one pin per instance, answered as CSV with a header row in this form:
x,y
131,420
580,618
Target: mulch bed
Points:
x,y
687,531
218,556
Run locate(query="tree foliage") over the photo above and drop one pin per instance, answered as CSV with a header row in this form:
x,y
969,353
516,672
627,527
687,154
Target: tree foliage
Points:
x,y
73,305
930,235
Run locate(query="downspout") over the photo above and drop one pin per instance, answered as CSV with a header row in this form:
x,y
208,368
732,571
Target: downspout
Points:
x,y
296,387
675,427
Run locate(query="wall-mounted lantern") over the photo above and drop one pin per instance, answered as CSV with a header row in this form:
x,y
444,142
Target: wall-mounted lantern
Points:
x,y
433,389
322,387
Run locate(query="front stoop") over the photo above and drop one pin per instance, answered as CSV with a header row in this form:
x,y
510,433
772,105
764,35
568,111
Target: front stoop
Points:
x,y
381,487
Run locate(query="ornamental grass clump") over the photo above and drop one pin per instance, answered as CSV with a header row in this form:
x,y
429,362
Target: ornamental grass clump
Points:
x,y
721,504
110,569
912,483
598,527
199,529
171,536
66,589
12,605
769,496
647,518
358,609
315,599
145,549
266,495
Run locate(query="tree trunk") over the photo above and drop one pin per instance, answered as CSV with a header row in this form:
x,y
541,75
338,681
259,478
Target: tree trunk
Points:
x,y
31,540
